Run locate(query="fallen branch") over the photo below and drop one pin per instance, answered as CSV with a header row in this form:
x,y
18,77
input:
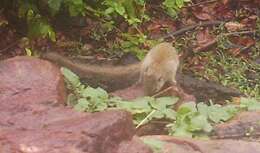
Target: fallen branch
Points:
x,y
188,28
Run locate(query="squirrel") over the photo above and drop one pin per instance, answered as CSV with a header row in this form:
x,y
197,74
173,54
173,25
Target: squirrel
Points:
x,y
158,68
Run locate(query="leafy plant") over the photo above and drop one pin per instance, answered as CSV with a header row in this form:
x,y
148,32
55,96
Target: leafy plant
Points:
x,y
88,99
39,13
249,104
84,98
134,44
173,6
131,10
147,108
197,120
37,24
190,120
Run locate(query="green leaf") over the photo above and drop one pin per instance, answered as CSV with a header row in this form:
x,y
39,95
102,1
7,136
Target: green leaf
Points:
x,y
163,102
200,122
94,93
28,51
109,10
231,109
180,3
157,115
140,105
250,104
182,131
71,77
170,114
203,109
119,9
77,2
101,106
217,114
71,100
52,34
187,108
140,2
76,7
54,5
82,105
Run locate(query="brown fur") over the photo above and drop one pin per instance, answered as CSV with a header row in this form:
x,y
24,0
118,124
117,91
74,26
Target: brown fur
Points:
x,y
107,77
158,67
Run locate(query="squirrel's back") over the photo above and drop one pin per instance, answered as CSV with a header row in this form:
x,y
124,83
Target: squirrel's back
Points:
x,y
159,67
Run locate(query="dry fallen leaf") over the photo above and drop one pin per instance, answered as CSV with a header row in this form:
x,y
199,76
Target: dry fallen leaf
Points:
x,y
204,40
234,26
202,14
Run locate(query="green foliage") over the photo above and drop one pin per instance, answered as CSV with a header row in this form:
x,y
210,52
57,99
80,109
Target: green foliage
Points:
x,y
87,99
190,120
134,43
133,11
37,24
147,108
197,120
75,7
38,21
39,13
28,51
249,104
173,6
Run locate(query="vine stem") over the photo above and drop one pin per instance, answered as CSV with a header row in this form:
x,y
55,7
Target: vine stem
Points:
x,y
145,119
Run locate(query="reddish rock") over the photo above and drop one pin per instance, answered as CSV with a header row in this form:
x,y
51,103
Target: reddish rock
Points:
x,y
33,118
178,145
133,146
27,80
130,93
90,133
245,124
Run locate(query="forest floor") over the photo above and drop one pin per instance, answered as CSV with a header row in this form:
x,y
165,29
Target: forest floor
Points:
x,y
218,40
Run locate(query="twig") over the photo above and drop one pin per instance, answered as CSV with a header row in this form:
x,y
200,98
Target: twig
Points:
x,y
213,42
240,32
163,91
206,46
145,119
200,3
246,48
188,28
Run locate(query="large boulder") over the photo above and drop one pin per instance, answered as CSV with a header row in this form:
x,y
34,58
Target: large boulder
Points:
x,y
27,80
34,119
179,145
245,124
